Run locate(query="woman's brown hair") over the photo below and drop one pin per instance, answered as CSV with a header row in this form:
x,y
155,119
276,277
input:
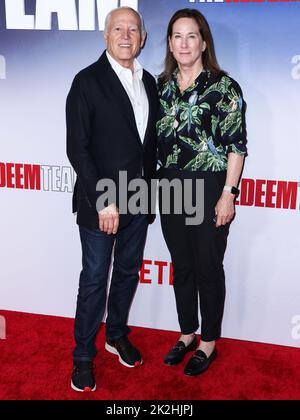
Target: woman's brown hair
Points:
x,y
209,56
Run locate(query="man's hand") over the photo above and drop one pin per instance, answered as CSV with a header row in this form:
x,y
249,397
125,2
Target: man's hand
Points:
x,y
225,209
109,219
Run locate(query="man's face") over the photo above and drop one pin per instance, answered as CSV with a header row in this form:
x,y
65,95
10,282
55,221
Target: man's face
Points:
x,y
124,37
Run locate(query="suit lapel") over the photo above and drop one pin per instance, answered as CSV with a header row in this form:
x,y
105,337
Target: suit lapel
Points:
x,y
151,108
118,91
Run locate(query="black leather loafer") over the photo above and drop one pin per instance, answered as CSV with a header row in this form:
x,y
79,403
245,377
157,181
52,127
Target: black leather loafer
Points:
x,y
199,363
177,353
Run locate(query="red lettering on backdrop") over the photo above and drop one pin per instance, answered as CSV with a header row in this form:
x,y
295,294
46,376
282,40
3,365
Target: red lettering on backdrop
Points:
x,y
19,176
161,265
259,1
259,193
144,271
171,275
286,195
2,175
270,193
247,192
263,193
9,175
32,177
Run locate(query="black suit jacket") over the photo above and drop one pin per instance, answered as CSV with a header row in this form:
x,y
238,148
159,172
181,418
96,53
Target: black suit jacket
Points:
x,y
102,137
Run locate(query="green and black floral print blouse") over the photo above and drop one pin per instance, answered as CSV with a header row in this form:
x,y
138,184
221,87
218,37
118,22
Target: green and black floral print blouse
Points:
x,y
198,128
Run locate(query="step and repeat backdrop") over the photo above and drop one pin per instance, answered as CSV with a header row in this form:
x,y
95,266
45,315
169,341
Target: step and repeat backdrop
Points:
x,y
43,44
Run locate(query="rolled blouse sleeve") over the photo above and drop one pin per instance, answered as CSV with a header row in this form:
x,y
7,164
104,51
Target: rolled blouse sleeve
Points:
x,y
232,121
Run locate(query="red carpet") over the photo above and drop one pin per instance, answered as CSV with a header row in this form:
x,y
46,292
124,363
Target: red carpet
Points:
x,y
36,365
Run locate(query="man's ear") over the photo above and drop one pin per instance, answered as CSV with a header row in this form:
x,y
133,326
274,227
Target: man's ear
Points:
x,y
105,37
144,37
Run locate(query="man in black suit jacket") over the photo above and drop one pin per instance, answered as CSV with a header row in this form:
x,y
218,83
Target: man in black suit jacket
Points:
x,y
111,114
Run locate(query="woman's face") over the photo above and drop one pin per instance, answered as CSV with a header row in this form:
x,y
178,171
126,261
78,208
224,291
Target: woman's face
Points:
x,y
186,42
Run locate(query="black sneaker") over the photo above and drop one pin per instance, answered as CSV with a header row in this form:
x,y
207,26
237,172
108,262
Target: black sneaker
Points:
x,y
83,377
128,355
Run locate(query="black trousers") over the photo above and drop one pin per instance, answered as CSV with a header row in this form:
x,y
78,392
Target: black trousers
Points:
x,y
97,248
197,254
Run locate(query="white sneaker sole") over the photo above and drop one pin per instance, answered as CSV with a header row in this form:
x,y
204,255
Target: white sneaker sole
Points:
x,y
113,350
81,390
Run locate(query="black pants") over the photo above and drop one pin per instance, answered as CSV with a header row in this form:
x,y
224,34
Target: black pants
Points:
x,y
197,254
97,248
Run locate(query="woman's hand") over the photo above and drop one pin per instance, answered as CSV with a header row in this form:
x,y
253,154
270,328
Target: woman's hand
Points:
x,y
225,209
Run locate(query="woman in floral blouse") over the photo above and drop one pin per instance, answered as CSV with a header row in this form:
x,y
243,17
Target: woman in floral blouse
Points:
x,y
202,135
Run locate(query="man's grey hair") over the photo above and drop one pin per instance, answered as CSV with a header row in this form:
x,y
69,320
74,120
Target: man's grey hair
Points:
x,y
138,14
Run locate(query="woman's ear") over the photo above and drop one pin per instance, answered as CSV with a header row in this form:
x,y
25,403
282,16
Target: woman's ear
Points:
x,y
170,46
